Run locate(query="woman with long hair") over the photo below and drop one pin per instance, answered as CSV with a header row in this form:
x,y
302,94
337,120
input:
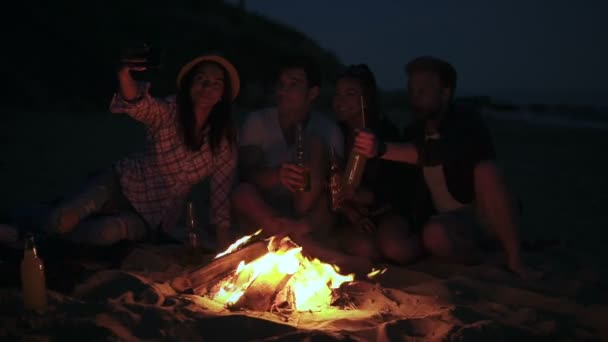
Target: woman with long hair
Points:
x,y
376,209
189,137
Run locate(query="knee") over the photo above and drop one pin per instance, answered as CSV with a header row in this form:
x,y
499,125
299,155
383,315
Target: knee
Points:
x,y
108,235
396,243
435,239
242,194
361,247
95,233
401,251
107,231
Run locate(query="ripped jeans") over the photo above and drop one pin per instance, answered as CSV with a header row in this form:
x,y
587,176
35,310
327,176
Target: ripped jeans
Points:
x,y
99,214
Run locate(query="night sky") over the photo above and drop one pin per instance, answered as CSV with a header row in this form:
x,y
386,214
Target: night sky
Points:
x,y
547,49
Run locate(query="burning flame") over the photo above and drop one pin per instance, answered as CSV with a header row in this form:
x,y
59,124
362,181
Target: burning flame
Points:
x,y
310,281
375,272
238,243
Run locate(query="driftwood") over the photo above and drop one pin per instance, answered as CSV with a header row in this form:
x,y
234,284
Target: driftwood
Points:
x,y
204,278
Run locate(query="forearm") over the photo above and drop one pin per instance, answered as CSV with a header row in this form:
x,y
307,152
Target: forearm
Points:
x,y
364,197
265,177
349,212
127,85
496,209
399,152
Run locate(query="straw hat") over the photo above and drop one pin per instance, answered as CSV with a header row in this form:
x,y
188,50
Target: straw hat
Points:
x,y
230,69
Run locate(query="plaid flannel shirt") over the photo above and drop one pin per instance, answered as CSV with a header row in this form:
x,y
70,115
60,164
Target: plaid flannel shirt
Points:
x,y
157,180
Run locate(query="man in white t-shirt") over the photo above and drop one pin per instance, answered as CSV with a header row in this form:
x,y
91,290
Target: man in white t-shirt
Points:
x,y
268,196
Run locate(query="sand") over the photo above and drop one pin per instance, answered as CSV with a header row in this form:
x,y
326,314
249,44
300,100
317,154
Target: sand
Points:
x,y
428,301
554,169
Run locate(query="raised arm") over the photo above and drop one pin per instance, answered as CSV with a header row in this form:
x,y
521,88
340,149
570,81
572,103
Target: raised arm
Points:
x,y
133,98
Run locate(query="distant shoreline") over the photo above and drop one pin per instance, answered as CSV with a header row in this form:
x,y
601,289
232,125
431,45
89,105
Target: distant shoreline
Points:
x,y
530,117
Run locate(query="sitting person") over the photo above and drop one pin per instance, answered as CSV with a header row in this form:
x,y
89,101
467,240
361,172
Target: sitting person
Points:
x,y
190,137
374,225
455,155
269,194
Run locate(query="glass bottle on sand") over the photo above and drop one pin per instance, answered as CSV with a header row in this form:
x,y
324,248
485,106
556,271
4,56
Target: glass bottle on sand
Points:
x,y
192,225
32,278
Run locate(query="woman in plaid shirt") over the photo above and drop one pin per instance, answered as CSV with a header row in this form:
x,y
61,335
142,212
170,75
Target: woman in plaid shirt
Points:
x,y
189,136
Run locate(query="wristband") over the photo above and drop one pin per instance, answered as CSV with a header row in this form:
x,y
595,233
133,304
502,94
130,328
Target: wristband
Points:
x,y
381,149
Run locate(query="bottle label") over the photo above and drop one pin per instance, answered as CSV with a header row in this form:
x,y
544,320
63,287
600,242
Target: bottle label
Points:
x,y
353,170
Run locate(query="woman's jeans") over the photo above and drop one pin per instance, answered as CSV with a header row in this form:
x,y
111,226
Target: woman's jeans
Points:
x,y
99,214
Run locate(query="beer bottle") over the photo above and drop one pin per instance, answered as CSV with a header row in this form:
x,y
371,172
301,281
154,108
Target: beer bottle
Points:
x,y
356,163
302,157
32,278
192,225
335,180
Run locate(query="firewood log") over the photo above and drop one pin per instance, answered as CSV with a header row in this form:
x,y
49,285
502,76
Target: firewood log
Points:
x,y
204,278
262,292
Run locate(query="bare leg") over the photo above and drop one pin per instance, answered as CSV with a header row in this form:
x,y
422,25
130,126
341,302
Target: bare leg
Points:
x,y
452,236
255,213
359,244
249,205
347,263
395,241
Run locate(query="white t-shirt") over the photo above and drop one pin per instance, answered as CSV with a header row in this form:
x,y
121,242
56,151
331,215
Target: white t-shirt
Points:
x,y
437,184
262,129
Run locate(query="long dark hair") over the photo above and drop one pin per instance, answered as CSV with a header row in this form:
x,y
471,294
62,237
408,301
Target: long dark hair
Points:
x,y
365,77
220,122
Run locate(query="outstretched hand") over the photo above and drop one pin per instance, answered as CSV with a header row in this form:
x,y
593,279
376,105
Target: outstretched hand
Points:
x,y
132,64
133,59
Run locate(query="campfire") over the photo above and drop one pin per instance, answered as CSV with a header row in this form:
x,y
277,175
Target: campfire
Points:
x,y
270,276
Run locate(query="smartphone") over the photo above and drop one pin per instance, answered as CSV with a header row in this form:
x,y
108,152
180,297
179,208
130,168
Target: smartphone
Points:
x,y
150,57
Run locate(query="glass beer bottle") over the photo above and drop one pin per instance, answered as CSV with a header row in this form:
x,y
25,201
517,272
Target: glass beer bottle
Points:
x,y
302,157
335,180
32,278
192,225
356,162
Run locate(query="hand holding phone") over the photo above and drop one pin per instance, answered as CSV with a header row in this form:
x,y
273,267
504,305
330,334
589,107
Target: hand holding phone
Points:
x,y
141,57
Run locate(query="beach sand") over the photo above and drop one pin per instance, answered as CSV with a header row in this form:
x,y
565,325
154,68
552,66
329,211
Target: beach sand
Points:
x,y
429,301
557,171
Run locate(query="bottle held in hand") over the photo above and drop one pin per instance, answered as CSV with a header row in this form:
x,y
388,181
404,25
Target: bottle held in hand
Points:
x,y
302,157
354,170
356,162
335,180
